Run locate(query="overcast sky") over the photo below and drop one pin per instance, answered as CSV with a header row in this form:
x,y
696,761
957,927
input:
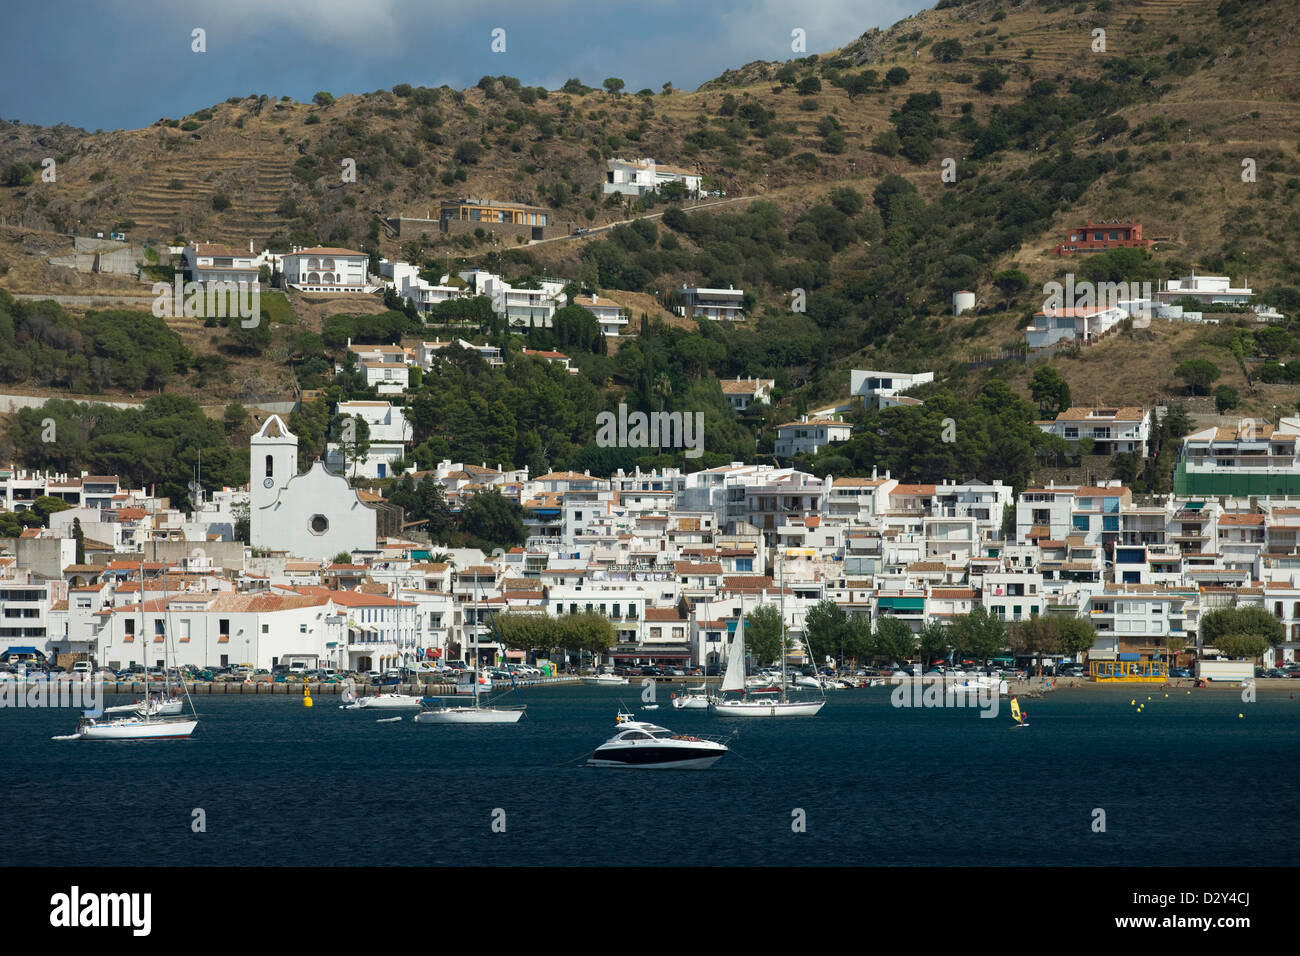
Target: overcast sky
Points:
x,y
125,63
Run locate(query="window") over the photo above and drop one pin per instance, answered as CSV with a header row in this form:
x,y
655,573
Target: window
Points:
x,y
319,524
266,628
269,466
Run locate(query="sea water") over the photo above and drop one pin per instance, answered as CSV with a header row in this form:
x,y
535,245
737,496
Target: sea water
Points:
x,y
1183,781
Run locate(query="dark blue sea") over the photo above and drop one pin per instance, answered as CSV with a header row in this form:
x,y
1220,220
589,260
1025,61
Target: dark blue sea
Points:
x,y
1183,782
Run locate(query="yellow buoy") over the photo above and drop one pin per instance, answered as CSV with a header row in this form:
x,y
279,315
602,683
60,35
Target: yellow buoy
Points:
x,y
1239,716
306,695
1148,698
1132,702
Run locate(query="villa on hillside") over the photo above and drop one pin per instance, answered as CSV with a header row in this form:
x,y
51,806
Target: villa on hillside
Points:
x,y
638,177
1100,236
1112,430
326,269
1072,325
613,318
205,262
716,304
743,392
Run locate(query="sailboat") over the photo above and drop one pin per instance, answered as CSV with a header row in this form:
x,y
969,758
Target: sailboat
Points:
x,y
693,698
734,680
150,722
477,712
1021,719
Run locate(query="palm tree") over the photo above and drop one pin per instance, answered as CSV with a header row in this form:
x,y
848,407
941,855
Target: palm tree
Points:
x,y
663,387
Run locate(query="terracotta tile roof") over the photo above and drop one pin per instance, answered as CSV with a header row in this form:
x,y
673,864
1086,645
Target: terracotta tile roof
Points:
x,y
1127,413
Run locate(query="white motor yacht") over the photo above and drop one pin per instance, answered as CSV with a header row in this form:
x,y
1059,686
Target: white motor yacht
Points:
x,y
638,744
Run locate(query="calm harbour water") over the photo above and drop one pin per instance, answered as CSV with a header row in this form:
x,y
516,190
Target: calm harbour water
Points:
x,y
1185,782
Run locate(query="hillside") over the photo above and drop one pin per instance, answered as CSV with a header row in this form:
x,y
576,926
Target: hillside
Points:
x,y
1045,128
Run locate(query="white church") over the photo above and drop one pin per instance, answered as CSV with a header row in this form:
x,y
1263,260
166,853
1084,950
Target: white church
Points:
x,y
316,515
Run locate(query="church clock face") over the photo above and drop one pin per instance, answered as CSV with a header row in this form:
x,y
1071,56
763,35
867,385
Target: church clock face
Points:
x,y
268,483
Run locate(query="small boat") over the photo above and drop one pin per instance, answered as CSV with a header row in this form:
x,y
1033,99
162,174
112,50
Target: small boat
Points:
x,y
650,707
388,720
604,679
650,747
697,698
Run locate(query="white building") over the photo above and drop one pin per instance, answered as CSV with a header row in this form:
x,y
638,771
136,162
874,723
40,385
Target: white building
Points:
x,y
384,366
613,318
743,392
1250,459
220,630
326,269
389,434
212,262
1082,325
1209,290
419,292
316,515
808,436
872,386
522,308
638,177
1112,430
716,304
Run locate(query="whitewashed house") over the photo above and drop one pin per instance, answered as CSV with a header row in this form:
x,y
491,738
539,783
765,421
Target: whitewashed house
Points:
x,y
326,269
873,386
808,436
641,176
389,434
613,318
1082,325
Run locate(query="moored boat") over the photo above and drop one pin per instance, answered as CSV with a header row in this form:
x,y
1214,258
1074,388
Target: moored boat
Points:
x,y
647,746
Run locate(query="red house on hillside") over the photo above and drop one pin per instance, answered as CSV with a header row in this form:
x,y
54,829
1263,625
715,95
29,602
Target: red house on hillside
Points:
x,y
1100,236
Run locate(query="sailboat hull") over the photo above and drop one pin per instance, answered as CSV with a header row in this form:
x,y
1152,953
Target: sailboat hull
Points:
x,y
470,715
691,703
134,729
386,702
767,708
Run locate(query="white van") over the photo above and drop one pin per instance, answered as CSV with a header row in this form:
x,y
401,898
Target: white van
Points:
x,y
298,667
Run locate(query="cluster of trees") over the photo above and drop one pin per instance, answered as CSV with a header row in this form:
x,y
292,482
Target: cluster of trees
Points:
x,y
1244,632
486,520
13,523
990,436
155,446
589,631
1053,634
42,345
978,635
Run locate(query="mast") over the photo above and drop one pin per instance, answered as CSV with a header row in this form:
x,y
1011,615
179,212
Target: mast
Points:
x,y
144,639
781,563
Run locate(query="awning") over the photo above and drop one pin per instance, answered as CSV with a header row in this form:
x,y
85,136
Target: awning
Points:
x,y
23,650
